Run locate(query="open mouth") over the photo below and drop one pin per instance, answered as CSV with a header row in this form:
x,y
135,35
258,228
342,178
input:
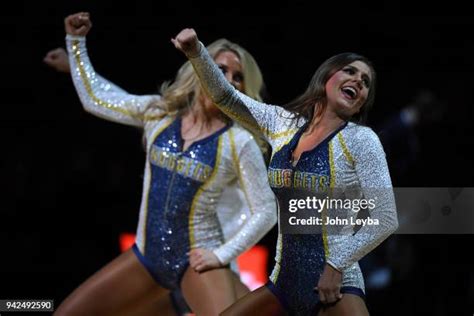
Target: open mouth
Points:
x,y
349,92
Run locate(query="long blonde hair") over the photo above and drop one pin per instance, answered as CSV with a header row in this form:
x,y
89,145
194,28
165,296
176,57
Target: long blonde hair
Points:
x,y
179,95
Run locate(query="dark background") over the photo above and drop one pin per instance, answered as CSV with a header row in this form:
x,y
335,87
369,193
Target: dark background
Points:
x,y
71,183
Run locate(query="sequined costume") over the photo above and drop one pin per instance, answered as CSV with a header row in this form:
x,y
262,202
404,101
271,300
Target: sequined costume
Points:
x,y
233,211
350,158
181,189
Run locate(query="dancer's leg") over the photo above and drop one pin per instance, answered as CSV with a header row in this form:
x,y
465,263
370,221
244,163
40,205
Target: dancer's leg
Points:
x,y
208,293
259,302
121,283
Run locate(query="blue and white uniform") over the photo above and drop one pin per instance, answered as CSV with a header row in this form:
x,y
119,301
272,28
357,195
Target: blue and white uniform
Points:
x,y
350,159
181,189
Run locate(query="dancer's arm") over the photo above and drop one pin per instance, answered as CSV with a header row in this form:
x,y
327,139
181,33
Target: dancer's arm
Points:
x,y
374,178
253,180
270,120
98,95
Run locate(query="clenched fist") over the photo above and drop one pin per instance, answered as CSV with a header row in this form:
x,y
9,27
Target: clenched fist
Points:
x,y
78,24
187,42
58,60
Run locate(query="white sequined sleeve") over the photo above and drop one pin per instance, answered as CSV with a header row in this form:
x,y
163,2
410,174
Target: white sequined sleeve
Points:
x,y
98,95
270,120
251,171
375,184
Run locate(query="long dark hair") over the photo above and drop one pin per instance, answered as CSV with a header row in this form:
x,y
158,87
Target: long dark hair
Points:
x,y
304,105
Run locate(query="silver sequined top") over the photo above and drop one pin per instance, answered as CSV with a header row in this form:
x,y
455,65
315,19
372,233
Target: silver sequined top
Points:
x,y
358,161
241,161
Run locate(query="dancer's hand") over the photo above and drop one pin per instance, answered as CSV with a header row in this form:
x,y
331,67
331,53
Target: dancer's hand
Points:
x,y
187,42
57,59
78,24
201,259
329,285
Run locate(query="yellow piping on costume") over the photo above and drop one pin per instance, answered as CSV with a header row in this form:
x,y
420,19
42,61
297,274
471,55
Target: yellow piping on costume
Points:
x,y
279,148
278,259
345,150
279,134
90,92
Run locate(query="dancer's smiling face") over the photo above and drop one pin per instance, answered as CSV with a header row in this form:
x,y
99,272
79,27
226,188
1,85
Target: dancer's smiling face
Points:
x,y
347,89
